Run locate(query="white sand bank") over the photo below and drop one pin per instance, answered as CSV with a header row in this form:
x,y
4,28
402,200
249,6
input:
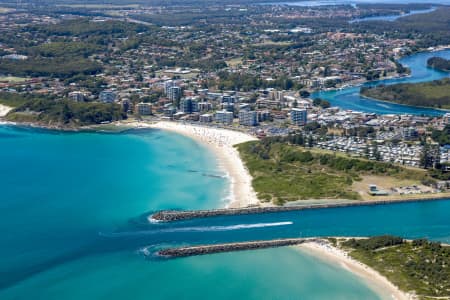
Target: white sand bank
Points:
x,y
221,142
375,280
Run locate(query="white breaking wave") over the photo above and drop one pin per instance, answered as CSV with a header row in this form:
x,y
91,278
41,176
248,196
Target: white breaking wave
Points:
x,y
383,105
200,229
231,227
152,220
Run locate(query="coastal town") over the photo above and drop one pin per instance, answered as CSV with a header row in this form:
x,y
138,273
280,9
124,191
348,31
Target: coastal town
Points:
x,y
266,85
270,92
293,111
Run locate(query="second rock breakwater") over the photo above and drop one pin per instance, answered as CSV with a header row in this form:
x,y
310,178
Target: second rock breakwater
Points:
x,y
229,247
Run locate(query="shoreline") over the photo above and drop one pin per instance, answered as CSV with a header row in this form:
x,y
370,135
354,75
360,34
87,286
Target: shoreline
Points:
x,y
221,141
444,110
377,282
227,155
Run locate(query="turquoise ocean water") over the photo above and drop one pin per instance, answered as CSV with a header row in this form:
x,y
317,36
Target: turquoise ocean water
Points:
x,y
61,192
74,225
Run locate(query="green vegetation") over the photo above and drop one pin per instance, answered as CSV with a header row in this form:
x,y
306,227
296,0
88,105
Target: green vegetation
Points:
x,y
321,102
285,172
59,67
441,136
14,99
430,29
428,94
439,63
64,57
247,82
50,111
420,266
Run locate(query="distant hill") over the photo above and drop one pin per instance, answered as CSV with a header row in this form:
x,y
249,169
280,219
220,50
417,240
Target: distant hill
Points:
x,y
434,94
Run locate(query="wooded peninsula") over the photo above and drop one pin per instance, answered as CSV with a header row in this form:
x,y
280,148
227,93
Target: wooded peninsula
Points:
x,y
434,94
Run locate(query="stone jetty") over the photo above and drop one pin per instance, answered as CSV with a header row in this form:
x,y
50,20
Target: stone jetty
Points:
x,y
179,215
229,247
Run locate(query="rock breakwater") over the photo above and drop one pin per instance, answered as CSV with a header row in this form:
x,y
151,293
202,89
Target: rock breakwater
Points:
x,y
175,215
229,247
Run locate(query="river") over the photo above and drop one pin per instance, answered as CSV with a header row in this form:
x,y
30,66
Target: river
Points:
x,y
391,18
354,2
350,98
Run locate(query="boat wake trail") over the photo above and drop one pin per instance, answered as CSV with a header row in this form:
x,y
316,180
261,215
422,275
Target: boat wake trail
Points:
x,y
196,229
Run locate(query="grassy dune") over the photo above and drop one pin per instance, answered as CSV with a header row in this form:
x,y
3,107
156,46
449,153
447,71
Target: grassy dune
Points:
x,y
283,172
419,266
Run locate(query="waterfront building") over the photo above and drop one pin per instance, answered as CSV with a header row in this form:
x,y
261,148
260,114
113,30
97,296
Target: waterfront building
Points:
x,y
446,119
204,106
189,105
299,116
263,115
107,96
248,118
174,93
144,109
169,111
206,118
223,116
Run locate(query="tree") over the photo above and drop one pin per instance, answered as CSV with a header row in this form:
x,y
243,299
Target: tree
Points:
x,y
304,94
310,141
425,157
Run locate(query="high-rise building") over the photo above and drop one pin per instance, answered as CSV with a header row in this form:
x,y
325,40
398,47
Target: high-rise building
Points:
x,y
144,109
248,118
223,116
228,99
276,95
76,96
206,118
204,106
409,133
174,93
107,96
263,115
299,116
189,105
168,84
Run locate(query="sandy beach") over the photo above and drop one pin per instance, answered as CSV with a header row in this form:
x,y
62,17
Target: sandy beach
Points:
x,y
221,142
375,280
4,110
